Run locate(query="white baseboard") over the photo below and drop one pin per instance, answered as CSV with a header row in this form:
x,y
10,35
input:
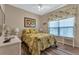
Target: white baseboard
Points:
x,y
77,46
68,44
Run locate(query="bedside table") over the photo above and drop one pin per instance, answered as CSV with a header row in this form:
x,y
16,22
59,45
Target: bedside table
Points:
x,y
10,48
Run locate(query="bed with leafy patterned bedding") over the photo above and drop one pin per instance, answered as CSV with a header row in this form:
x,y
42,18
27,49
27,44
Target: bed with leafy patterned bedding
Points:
x,y
36,41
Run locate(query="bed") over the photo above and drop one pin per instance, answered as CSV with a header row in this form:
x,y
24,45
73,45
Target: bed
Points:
x,y
36,41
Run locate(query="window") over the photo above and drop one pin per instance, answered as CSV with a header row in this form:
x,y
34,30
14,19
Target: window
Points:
x,y
63,27
53,27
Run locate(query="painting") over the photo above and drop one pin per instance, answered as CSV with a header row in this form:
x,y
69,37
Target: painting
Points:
x,y
29,22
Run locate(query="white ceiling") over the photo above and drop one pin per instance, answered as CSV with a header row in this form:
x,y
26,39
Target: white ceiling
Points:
x,y
46,8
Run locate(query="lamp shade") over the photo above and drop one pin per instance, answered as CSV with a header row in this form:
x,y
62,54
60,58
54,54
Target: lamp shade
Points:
x,y
17,30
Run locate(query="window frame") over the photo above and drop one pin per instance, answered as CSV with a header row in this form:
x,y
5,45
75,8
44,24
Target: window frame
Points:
x,y
73,27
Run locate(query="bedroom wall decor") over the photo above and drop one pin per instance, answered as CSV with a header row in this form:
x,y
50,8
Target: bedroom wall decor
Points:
x,y
29,22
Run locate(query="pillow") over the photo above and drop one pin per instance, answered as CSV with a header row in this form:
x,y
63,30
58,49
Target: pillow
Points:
x,y
33,31
29,31
26,31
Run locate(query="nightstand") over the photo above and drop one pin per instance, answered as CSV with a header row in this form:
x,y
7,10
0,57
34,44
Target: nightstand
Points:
x,y
10,48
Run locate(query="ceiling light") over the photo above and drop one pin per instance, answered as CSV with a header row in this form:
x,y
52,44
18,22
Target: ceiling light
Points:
x,y
39,7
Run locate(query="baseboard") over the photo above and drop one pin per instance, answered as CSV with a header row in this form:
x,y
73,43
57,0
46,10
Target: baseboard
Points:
x,y
68,44
77,46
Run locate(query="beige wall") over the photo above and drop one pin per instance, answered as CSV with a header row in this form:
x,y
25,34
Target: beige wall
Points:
x,y
1,17
15,17
0,21
44,19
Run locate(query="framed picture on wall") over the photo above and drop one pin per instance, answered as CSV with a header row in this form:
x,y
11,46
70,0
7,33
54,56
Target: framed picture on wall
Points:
x,y
29,22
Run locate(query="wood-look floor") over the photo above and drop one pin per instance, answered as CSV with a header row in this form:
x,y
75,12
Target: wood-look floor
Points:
x,y
60,50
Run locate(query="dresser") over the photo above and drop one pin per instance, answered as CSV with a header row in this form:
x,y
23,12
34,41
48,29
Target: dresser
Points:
x,y
10,48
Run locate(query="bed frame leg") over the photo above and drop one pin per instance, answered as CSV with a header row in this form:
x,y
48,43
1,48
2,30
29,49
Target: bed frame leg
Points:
x,y
55,42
